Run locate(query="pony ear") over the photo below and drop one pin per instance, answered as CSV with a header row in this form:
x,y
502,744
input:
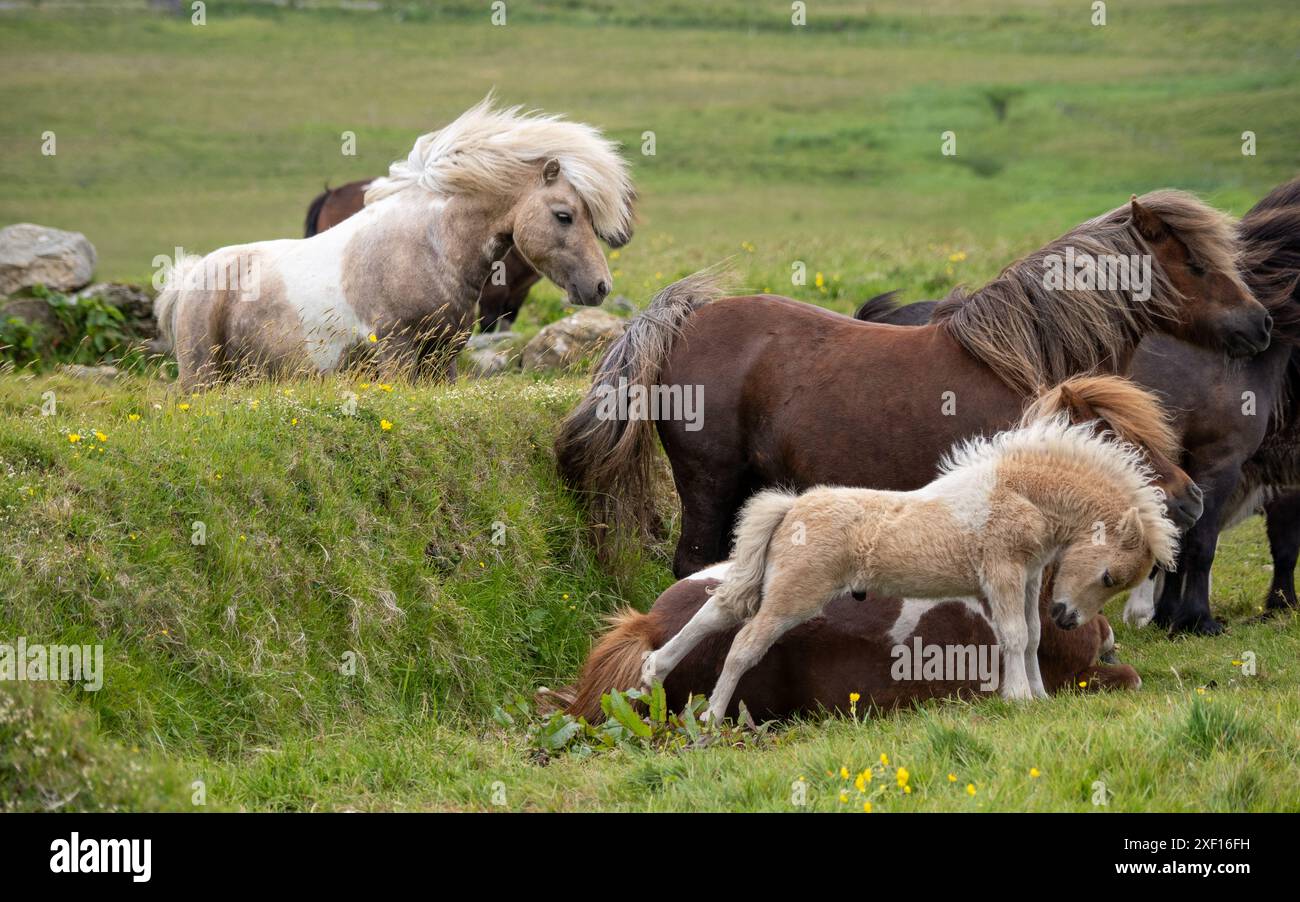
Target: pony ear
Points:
x,y
551,171
1130,529
1149,225
1080,411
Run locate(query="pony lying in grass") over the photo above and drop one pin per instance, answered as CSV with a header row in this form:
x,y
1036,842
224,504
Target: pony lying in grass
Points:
x,y
1001,511
405,273
856,648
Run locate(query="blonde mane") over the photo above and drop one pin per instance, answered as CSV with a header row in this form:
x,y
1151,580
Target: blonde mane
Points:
x,y
1114,462
1032,335
487,150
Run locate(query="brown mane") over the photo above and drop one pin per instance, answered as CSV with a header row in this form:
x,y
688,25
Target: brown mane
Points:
x,y
1132,412
1270,235
1032,335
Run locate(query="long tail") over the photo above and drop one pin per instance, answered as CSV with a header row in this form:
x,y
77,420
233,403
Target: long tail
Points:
x,y
742,589
615,662
611,460
313,213
164,306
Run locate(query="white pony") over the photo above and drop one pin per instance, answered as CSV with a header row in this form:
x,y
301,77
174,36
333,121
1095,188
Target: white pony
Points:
x,y
404,273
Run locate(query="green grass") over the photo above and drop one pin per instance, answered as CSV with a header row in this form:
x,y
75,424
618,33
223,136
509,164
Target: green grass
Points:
x,y
332,536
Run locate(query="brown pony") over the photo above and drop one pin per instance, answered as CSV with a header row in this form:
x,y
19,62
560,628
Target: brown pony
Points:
x,y
798,396
503,293
848,648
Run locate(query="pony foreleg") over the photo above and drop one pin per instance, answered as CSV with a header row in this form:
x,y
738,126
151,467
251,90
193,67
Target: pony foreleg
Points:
x,y
1033,631
1141,604
750,644
1006,595
709,619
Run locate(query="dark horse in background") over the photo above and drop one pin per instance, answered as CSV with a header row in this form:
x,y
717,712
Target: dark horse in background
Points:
x,y
498,301
797,396
1238,421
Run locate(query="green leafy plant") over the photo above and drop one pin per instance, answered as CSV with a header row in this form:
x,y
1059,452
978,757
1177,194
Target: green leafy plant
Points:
x,y
636,719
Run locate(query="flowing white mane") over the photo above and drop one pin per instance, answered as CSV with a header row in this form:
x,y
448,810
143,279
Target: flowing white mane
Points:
x,y
488,149
1114,460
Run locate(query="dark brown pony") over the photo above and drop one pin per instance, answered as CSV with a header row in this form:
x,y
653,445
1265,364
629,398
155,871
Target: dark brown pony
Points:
x,y
852,648
499,300
797,396
1238,422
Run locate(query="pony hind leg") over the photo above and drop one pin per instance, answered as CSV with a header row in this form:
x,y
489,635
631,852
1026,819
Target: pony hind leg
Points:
x,y
754,641
709,619
796,593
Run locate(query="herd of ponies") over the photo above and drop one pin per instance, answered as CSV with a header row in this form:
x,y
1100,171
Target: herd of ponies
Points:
x,y
983,471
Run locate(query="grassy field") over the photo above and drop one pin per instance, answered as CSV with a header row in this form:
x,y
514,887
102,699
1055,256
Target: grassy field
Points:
x,y
330,539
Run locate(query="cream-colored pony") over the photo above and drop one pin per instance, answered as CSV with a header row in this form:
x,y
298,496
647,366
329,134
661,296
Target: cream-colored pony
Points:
x,y
1001,510
405,272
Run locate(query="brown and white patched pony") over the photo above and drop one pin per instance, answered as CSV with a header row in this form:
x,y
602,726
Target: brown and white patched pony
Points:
x,y
502,294
404,274
797,396
852,648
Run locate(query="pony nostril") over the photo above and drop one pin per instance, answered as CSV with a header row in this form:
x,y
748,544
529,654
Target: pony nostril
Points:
x,y
1195,492
1268,322
1058,609
602,288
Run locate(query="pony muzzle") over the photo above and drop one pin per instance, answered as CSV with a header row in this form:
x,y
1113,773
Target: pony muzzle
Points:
x,y
1064,616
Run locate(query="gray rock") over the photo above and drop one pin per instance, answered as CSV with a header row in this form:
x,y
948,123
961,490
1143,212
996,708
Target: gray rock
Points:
x,y
481,362
493,339
37,255
34,311
576,338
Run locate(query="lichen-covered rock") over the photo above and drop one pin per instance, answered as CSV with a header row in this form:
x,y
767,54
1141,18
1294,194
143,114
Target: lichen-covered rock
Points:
x,y
582,336
37,255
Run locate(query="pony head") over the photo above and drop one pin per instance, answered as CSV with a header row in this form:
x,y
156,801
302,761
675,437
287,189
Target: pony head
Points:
x,y
553,229
557,188
1197,249
1109,559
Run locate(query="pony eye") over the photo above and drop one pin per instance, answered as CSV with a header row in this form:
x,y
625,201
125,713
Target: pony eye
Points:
x,y
1197,269
1107,580
566,218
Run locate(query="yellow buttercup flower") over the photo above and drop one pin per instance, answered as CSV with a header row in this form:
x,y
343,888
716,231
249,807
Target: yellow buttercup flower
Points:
x,y
866,806
957,257
844,773
73,437
101,436
902,776
133,417
1034,774
385,425
861,782
970,789
952,778
854,697
373,338
884,759
183,406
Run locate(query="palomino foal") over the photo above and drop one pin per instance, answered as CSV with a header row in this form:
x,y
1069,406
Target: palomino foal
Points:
x,y
405,273
1001,511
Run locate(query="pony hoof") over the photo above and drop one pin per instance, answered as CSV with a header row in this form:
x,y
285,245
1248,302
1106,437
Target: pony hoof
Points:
x,y
648,671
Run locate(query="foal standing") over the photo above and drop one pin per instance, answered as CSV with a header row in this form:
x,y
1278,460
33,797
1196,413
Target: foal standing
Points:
x,y
999,513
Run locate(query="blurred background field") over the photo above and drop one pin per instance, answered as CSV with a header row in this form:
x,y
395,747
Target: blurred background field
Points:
x,y
328,534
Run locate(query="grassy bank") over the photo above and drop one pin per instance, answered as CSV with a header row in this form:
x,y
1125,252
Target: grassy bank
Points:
x,y
330,541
